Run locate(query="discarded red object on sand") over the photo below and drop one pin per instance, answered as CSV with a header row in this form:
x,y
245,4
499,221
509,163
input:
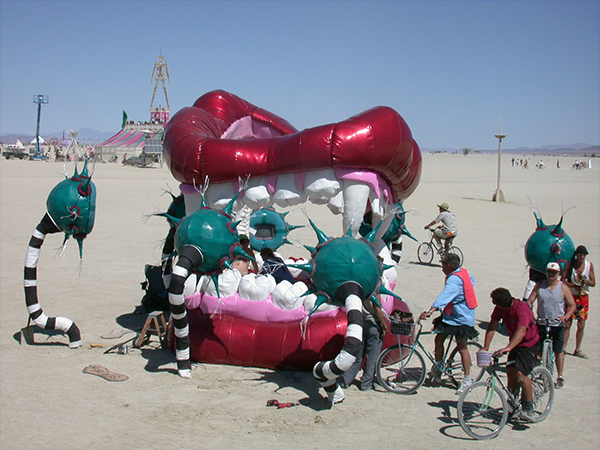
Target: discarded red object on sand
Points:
x,y
280,405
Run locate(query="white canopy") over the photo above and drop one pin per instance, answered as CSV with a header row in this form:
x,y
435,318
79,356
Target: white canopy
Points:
x,y
41,140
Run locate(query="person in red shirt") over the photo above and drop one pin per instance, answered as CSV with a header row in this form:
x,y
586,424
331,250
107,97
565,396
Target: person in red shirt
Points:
x,y
522,347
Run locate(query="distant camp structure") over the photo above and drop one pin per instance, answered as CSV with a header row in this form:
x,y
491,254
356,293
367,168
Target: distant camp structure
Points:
x,y
137,138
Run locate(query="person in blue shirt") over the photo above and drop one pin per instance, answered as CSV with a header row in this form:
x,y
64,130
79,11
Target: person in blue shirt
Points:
x,y
457,303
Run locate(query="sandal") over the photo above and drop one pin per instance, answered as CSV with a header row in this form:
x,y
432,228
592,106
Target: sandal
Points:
x,y
580,354
103,372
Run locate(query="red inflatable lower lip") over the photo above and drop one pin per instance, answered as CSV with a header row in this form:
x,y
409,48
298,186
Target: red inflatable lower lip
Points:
x,y
199,142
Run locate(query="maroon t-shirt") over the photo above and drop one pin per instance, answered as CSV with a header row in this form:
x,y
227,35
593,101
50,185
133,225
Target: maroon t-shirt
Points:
x,y
519,315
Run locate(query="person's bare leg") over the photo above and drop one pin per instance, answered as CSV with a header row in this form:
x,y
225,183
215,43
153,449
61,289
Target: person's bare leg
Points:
x,y
579,334
568,324
465,356
560,363
438,351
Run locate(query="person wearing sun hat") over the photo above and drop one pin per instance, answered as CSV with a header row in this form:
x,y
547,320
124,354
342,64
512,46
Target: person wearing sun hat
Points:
x,y
447,227
555,306
579,277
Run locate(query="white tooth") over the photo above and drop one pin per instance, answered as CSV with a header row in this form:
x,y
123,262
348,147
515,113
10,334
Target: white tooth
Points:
x,y
287,194
298,274
257,195
228,281
336,203
321,185
288,296
356,195
193,202
309,303
243,216
219,195
377,206
381,248
192,285
256,287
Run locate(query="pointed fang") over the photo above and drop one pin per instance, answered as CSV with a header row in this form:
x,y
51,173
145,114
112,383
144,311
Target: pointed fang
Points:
x,y
558,230
322,237
239,251
371,236
386,291
307,267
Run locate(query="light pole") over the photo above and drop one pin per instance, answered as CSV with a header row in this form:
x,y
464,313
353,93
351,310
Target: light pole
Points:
x,y
498,195
39,99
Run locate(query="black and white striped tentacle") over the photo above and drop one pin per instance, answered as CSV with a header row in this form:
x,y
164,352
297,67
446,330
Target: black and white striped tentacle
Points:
x,y
46,226
326,372
189,258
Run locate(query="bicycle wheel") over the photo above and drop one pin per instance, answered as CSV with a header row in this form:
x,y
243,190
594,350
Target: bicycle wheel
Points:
x,y
401,372
454,364
456,251
548,356
482,410
425,253
543,392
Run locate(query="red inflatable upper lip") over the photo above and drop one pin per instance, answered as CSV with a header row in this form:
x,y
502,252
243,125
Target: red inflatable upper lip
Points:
x,y
378,140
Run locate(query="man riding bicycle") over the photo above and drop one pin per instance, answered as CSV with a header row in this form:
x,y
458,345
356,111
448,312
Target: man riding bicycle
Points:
x,y
522,346
447,227
457,302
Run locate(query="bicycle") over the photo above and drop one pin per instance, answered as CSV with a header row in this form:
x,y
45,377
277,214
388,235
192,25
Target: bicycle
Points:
x,y
426,250
401,368
547,360
485,406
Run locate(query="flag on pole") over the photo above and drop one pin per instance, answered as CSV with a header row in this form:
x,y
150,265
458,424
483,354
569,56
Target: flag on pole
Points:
x,y
124,119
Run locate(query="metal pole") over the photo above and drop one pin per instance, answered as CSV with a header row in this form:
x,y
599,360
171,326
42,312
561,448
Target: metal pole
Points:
x,y
38,151
499,195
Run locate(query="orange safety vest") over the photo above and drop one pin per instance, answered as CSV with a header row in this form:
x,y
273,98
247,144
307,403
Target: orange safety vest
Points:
x,y
469,292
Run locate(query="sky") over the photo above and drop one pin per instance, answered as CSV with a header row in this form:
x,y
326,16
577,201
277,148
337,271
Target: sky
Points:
x,y
453,69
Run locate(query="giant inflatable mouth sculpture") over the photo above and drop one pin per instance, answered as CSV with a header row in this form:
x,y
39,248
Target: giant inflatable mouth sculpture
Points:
x,y
368,158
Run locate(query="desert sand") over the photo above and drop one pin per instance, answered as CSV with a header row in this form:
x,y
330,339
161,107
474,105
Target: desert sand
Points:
x,y
48,402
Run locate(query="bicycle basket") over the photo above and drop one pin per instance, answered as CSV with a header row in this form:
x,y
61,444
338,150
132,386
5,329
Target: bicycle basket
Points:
x,y
401,328
484,359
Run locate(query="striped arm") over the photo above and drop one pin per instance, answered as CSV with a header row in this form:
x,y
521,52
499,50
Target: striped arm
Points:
x,y
46,226
190,257
326,372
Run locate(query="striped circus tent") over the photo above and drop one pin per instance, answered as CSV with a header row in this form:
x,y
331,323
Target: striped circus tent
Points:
x,y
128,140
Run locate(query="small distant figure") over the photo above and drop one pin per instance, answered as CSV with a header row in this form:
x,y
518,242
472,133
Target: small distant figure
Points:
x,y
512,161
558,164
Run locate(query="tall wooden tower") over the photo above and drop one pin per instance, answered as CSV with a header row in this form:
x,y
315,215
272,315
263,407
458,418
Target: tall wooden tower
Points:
x,y
160,74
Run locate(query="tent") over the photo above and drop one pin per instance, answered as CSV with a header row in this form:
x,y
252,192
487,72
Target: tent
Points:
x,y
42,141
17,144
128,140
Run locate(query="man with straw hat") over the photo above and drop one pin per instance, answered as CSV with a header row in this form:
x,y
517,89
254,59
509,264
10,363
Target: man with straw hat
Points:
x,y
447,227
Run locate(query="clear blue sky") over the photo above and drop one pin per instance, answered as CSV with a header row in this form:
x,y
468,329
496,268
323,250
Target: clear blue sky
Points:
x,y
450,68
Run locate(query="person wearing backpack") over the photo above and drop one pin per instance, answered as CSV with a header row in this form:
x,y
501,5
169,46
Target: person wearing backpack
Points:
x,y
457,302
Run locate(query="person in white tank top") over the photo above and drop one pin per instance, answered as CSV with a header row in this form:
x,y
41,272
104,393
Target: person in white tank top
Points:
x,y
555,304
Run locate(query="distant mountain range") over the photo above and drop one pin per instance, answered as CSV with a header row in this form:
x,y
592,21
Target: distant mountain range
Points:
x,y
89,135
83,135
